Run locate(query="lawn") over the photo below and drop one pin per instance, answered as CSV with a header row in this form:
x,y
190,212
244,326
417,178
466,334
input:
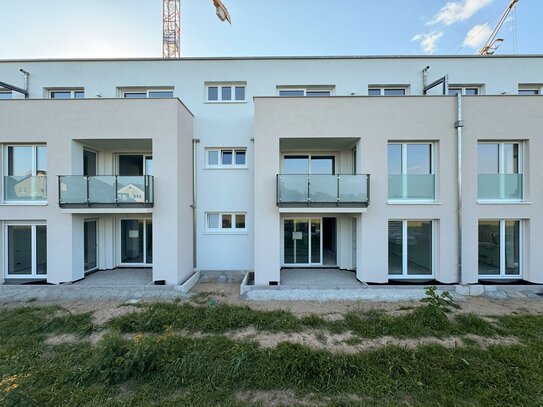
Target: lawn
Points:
x,y
200,354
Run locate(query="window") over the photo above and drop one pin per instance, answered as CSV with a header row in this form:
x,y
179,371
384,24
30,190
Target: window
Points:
x,y
464,90
309,91
410,248
387,91
25,169
66,93
411,171
500,248
527,90
26,251
147,93
227,92
5,94
226,158
499,168
225,222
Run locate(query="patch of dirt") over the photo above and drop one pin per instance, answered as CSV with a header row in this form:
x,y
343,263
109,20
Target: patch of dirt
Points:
x,y
275,398
62,339
349,343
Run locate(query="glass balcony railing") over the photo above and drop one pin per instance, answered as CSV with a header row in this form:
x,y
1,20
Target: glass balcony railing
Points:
x,y
322,190
106,190
25,188
499,186
416,187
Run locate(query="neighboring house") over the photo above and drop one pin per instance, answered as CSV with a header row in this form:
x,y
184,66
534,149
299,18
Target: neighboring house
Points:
x,y
261,164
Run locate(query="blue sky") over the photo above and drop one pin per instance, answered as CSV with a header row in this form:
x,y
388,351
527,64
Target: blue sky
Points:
x,y
133,28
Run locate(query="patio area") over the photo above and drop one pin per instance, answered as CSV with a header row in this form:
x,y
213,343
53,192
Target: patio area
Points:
x,y
331,278
119,276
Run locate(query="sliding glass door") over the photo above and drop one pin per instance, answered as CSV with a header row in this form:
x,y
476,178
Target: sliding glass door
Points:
x,y
302,242
136,242
90,245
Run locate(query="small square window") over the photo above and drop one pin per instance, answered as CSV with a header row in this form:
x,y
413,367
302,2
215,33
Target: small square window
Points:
x,y
226,93
213,93
226,157
240,92
213,157
226,221
374,92
213,221
61,95
240,221
240,157
79,94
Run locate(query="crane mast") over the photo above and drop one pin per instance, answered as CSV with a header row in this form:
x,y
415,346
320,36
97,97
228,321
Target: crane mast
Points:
x,y
493,43
171,25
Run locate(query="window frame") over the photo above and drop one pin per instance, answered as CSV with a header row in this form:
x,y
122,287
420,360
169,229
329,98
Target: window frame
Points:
x,y
535,87
124,91
464,88
502,275
404,275
382,89
305,90
220,86
5,168
501,164
34,245
71,91
220,230
220,165
404,155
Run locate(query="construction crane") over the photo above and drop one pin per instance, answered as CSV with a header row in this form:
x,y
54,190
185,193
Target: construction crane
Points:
x,y
171,25
493,43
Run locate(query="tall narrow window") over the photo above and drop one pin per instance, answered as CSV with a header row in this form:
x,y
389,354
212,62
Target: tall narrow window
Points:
x,y
499,167
410,248
500,250
410,172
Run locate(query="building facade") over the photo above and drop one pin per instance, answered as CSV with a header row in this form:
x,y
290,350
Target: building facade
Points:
x,y
261,164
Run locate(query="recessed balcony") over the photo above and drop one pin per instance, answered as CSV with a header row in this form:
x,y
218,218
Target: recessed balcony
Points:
x,y
308,190
106,191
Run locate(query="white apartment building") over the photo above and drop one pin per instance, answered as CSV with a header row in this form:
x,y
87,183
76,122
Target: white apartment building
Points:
x,y
262,164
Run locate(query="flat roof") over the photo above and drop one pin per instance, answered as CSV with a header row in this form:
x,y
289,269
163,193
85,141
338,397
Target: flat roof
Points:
x,y
263,58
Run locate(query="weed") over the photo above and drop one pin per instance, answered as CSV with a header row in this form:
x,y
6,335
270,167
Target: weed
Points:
x,y
443,301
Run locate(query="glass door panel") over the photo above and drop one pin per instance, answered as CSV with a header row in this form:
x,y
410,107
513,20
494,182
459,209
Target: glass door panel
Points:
x,y
132,241
148,165
301,241
149,241
322,165
131,164
20,160
19,250
89,163
316,241
288,241
90,245
41,249
296,164
489,247
419,248
512,247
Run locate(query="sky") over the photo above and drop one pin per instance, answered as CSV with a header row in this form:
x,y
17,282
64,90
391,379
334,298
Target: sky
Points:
x,y
133,28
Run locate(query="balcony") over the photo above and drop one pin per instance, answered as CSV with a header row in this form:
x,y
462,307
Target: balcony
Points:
x,y
499,187
322,190
106,191
411,187
25,188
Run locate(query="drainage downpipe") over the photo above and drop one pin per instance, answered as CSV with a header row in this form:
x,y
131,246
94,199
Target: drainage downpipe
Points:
x,y
194,200
458,125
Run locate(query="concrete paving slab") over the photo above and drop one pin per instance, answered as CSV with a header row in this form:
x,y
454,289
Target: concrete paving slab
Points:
x,y
320,279
119,276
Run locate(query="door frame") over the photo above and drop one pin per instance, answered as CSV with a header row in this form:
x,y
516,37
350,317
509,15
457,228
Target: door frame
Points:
x,y
119,237
309,218
143,157
95,220
33,246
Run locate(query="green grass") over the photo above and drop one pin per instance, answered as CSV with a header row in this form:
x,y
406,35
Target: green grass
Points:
x,y
167,369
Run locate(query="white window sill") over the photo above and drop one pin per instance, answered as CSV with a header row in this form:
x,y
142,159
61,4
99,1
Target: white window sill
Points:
x,y
227,167
413,202
225,102
226,232
502,202
23,204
